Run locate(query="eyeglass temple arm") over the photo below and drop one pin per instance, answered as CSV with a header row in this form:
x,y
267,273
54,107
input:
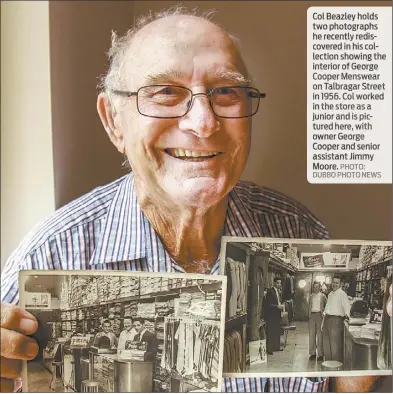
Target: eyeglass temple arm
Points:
x,y
126,94
129,94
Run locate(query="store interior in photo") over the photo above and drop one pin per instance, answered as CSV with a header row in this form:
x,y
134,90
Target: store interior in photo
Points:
x,y
125,333
251,267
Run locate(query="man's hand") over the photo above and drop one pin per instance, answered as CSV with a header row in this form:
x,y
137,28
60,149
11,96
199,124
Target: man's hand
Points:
x,y
353,384
280,307
15,324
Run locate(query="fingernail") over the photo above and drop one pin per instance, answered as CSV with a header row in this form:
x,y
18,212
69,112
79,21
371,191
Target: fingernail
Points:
x,y
27,315
31,349
17,384
28,325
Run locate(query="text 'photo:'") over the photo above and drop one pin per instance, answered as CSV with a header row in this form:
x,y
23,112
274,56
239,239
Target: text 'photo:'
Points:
x,y
125,332
307,306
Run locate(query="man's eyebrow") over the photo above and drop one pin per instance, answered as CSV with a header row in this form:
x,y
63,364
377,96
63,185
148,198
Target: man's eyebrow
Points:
x,y
171,75
162,77
232,76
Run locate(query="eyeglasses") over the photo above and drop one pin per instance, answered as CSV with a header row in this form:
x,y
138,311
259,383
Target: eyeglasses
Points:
x,y
170,101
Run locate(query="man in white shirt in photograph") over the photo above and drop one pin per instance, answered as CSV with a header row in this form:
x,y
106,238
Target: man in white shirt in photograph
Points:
x,y
336,311
127,334
317,303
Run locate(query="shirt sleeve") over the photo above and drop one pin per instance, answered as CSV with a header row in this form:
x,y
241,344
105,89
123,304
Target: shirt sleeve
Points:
x,y
10,279
326,304
345,303
275,385
298,385
244,385
121,344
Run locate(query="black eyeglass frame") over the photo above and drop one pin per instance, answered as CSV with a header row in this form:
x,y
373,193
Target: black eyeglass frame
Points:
x,y
259,95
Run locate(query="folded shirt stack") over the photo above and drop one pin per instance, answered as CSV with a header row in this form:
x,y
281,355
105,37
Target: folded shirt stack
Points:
x,y
163,309
129,287
130,309
146,310
114,285
150,285
150,326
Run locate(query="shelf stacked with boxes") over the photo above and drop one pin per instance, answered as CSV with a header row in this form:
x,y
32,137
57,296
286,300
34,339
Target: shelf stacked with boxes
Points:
x,y
371,273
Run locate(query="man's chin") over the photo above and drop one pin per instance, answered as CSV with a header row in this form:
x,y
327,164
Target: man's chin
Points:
x,y
200,192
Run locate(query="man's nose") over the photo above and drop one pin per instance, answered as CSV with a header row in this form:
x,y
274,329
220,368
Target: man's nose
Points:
x,y
200,119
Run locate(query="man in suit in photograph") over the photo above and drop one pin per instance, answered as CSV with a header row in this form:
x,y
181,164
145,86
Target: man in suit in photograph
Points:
x,y
143,335
272,313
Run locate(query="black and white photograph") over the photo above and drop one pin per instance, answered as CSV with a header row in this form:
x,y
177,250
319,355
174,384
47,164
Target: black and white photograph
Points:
x,y
125,332
320,306
257,351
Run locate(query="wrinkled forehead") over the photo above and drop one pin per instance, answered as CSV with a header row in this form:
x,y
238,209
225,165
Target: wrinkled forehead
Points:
x,y
182,46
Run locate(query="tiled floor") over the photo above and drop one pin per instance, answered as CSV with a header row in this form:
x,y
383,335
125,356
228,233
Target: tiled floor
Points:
x,y
294,357
39,380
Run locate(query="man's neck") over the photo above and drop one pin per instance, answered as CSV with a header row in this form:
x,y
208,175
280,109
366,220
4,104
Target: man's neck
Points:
x,y
190,235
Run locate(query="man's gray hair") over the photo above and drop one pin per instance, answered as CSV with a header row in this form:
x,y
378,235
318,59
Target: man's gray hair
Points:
x,y
120,44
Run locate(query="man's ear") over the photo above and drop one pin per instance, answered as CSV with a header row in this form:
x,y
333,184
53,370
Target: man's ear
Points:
x,y
106,113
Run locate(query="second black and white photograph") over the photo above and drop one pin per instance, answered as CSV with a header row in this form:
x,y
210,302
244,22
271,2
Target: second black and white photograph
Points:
x,y
306,306
125,332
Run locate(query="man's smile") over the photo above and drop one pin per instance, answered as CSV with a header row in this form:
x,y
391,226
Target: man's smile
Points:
x,y
192,155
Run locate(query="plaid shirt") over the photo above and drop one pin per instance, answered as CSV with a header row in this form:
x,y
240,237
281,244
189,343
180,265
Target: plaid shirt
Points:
x,y
106,229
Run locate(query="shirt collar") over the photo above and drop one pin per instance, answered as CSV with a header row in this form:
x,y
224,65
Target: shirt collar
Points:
x,y
142,333
128,235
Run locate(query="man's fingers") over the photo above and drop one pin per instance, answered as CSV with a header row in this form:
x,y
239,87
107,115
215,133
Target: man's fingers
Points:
x,y
17,346
10,369
15,318
6,385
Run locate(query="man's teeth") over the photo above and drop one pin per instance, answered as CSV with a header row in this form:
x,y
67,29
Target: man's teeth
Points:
x,y
189,153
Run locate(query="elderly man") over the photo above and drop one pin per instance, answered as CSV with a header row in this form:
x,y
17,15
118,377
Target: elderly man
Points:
x,y
177,102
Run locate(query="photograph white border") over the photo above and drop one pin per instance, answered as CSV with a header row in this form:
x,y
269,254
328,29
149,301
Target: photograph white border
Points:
x,y
24,274
271,374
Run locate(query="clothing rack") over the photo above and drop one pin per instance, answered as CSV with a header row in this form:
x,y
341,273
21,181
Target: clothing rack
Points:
x,y
191,347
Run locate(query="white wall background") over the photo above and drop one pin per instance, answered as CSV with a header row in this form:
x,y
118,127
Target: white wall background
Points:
x,y
27,184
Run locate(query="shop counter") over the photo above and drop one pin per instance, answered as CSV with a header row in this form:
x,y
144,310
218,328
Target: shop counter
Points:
x,y
74,360
119,375
359,353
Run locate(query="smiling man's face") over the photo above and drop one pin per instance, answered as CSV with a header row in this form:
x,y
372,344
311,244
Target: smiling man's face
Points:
x,y
197,159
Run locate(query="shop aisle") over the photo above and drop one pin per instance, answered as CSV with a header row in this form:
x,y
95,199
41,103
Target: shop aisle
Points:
x,y
42,378
294,358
